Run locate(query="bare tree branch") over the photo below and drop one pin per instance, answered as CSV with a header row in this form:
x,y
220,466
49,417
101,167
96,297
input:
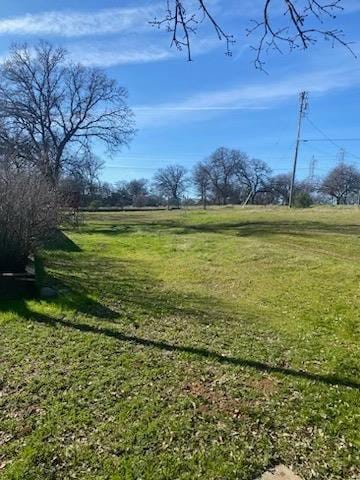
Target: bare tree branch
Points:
x,y
300,25
183,23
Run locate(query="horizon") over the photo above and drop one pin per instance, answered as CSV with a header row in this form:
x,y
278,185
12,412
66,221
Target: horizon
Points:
x,y
189,109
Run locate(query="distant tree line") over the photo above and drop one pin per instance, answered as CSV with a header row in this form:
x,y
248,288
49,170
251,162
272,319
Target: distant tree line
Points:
x,y
227,176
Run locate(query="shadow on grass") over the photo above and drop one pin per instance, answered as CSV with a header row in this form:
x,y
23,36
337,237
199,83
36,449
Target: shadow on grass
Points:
x,y
244,229
60,241
143,294
125,285
140,294
195,351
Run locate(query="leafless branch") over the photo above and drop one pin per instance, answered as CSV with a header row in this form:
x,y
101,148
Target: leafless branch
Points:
x,y
182,24
300,25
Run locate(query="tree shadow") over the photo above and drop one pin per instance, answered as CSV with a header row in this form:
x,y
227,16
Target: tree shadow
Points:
x,y
267,228
244,229
67,299
332,380
84,304
130,292
60,241
127,289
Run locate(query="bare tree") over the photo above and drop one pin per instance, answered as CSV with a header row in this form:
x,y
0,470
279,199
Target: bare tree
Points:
x,y
253,174
201,181
279,186
301,23
120,195
342,182
48,104
138,190
172,182
221,168
81,180
84,168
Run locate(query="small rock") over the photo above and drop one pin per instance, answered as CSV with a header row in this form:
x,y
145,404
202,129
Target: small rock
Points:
x,y
48,292
280,473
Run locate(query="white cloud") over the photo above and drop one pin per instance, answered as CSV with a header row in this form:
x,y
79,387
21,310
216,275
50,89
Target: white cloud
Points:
x,y
131,49
126,50
247,97
132,39
76,24
105,56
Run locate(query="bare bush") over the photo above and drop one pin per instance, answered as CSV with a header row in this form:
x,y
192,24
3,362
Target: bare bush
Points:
x,y
28,213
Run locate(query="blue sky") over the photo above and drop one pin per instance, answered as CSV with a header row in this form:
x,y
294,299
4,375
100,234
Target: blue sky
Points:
x,y
186,110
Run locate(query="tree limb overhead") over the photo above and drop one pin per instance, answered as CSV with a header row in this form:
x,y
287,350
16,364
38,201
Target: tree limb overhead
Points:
x,y
297,24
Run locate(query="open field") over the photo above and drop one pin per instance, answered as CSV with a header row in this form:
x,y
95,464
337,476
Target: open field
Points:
x,y
204,345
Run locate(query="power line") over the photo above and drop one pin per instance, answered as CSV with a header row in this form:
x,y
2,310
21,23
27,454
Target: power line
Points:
x,y
327,138
332,139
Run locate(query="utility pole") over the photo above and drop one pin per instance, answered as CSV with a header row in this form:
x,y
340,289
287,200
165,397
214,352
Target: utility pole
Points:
x,y
303,107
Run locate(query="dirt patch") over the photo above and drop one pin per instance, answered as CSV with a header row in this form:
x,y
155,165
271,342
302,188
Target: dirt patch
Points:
x,y
212,399
280,473
265,385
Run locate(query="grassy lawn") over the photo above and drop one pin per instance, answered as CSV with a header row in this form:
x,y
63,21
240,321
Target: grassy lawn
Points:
x,y
208,345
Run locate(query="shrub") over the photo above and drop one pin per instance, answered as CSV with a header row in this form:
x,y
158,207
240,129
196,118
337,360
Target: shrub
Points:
x,y
303,200
28,213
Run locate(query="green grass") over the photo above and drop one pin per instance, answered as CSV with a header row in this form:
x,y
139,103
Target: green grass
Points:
x,y
206,345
